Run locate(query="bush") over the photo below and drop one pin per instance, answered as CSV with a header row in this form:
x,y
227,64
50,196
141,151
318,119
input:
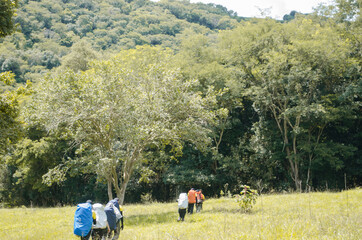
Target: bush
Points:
x,y
247,198
146,198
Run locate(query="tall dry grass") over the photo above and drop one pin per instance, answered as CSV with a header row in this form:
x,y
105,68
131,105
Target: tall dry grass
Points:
x,y
324,215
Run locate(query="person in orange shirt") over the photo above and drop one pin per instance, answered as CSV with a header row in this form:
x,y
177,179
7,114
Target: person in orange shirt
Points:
x,y
192,200
200,198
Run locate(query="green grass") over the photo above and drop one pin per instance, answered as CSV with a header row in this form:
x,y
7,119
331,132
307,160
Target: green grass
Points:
x,y
285,216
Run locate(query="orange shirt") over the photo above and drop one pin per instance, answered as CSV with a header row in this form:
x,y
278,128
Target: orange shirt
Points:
x,y
192,196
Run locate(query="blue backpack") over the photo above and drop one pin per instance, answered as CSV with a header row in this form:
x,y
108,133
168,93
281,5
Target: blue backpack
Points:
x,y
111,216
83,219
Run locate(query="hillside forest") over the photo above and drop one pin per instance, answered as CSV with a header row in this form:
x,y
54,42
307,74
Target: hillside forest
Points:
x,y
144,99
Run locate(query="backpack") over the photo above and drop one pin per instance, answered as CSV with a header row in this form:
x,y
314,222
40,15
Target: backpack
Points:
x,y
111,216
101,217
83,219
116,209
183,200
200,197
117,212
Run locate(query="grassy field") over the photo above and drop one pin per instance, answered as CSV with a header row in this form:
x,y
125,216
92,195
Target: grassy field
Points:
x,y
285,216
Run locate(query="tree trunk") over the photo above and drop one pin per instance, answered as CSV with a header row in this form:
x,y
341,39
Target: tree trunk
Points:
x,y
109,186
283,127
122,192
308,172
292,159
311,155
217,144
296,166
127,173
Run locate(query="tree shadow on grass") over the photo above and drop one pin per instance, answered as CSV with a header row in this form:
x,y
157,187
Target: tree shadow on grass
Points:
x,y
151,219
169,217
230,210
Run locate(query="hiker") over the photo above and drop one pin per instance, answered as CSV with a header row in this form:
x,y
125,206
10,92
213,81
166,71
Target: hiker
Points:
x,y
182,205
114,217
192,199
83,219
119,218
100,226
200,198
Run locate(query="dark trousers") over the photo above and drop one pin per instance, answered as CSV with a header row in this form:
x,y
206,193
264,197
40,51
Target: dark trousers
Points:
x,y
99,233
87,236
198,207
114,233
111,233
191,208
182,213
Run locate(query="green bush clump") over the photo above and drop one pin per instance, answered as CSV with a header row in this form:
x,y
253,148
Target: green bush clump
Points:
x,y
247,198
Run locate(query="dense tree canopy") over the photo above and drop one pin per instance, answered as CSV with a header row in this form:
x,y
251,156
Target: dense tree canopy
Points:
x,y
292,74
122,106
7,11
9,111
211,101
46,30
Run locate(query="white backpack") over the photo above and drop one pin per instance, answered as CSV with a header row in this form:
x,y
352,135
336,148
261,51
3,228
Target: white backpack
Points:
x,y
101,217
115,209
117,212
183,201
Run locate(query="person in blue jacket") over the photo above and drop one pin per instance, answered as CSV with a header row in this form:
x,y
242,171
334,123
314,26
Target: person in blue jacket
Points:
x,y
83,219
115,218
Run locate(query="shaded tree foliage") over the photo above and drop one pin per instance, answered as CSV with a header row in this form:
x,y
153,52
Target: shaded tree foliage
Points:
x,y
286,115
118,108
52,27
7,11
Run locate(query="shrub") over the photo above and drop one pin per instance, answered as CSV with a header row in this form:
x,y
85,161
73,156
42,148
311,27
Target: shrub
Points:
x,y
247,198
146,198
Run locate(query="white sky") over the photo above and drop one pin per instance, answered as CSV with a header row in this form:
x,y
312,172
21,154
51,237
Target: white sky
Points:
x,y
275,8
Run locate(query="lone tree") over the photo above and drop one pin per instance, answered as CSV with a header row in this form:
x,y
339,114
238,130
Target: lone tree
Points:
x,y
118,108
